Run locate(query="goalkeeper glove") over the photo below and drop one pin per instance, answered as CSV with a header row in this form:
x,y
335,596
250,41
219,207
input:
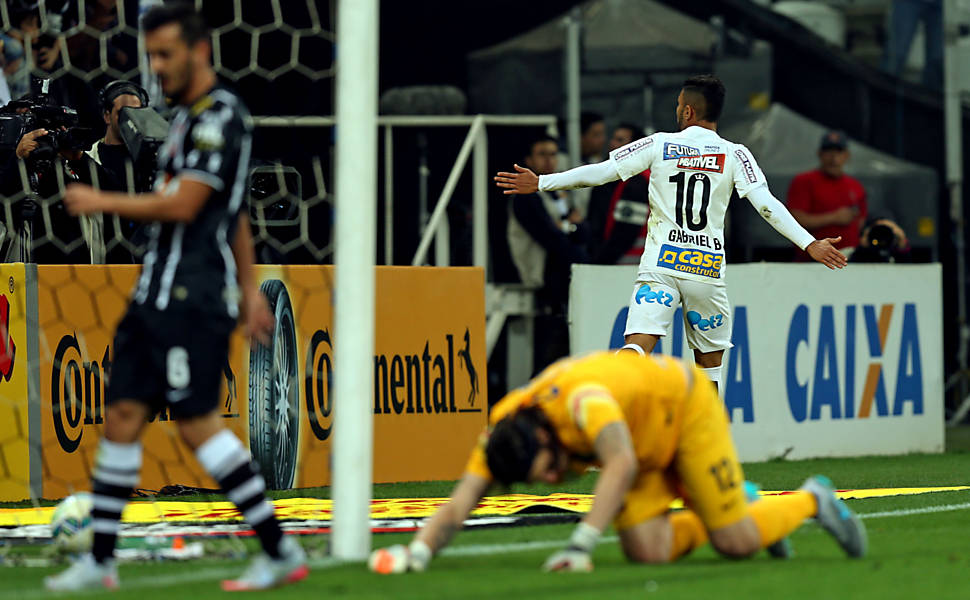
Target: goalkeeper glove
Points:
x,y
576,557
571,560
400,559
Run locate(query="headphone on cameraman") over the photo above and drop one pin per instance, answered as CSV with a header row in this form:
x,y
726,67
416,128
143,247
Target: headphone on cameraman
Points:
x,y
107,95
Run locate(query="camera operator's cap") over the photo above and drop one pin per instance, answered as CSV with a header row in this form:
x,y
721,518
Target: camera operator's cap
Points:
x,y
834,140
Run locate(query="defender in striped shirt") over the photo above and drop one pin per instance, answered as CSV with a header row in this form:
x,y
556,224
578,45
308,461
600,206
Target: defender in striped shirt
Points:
x,y
196,282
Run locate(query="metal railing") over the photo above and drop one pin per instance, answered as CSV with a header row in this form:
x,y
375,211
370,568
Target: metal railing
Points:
x,y
474,145
504,301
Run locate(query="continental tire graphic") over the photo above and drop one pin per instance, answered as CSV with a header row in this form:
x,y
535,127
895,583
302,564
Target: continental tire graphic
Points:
x,y
274,415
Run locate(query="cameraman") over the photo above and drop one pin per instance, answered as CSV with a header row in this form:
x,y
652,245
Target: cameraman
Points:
x,y
36,171
110,152
116,168
882,241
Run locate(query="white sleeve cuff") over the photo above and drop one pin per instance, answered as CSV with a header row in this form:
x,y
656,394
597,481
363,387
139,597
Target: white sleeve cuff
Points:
x,y
580,177
203,177
775,213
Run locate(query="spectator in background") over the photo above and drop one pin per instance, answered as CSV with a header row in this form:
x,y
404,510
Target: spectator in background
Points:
x,y
882,241
47,55
545,238
16,68
903,20
826,201
11,62
121,48
592,137
618,211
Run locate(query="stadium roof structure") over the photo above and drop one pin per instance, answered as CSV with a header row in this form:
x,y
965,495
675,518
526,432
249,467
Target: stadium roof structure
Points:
x,y
622,41
617,23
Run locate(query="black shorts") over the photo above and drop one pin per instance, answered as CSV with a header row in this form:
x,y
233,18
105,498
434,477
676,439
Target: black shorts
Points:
x,y
170,359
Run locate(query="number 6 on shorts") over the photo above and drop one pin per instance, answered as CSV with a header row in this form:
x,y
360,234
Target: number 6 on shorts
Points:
x,y
177,367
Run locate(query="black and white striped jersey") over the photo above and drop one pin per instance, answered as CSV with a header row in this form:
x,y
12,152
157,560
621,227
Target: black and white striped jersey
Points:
x,y
190,265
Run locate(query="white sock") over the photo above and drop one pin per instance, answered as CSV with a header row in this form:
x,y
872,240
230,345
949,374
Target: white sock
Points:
x,y
116,471
224,457
635,347
221,454
714,374
119,457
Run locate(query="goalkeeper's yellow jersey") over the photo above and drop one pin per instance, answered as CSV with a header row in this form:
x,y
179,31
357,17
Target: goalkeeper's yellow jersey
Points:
x,y
581,396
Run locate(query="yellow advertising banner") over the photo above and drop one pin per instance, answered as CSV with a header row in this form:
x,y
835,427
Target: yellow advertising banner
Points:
x,y
429,377
78,308
428,368
317,509
14,411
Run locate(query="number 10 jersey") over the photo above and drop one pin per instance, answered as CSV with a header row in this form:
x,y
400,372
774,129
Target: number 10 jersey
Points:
x,y
692,176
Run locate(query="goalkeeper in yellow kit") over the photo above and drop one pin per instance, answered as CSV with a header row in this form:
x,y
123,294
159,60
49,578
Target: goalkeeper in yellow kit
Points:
x,y
658,432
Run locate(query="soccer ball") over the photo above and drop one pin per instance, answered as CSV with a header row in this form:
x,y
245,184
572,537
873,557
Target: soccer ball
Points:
x,y
71,527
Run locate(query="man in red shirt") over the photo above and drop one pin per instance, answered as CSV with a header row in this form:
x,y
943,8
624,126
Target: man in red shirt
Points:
x,y
826,201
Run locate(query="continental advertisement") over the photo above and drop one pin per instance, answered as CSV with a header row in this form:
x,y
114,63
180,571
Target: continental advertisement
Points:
x,y
429,377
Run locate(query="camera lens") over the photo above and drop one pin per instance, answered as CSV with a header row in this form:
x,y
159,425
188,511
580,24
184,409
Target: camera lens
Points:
x,y
881,236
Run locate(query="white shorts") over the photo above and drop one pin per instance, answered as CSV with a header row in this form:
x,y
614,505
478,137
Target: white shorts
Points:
x,y
707,312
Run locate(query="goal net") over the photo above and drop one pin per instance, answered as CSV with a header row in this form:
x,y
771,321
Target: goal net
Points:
x,y
58,311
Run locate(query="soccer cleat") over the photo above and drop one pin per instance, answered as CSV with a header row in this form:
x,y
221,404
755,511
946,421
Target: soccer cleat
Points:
x,y
265,572
780,549
84,574
836,518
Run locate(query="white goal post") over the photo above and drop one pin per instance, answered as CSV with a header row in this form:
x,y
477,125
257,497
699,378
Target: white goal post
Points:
x,y
356,197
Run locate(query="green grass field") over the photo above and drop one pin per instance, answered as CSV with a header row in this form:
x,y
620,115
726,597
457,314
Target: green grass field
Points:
x,y
919,548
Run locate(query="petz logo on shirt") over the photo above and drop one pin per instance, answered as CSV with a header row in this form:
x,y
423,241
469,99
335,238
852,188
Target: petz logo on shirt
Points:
x,y
696,262
713,163
633,148
746,164
672,151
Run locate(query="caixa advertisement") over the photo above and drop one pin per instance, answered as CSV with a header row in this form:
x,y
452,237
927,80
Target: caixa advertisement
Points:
x,y
428,369
824,363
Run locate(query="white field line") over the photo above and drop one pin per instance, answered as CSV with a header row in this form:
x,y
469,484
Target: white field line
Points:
x,y
199,575
916,511
134,583
485,549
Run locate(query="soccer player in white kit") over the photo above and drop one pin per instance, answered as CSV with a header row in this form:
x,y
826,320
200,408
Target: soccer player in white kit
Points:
x,y
692,175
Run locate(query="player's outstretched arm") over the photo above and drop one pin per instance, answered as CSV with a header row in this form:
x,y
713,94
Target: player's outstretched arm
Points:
x,y
524,181
614,448
775,213
436,532
825,252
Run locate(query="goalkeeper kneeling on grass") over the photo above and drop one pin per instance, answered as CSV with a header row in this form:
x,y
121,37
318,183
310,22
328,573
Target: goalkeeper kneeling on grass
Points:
x,y
658,431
